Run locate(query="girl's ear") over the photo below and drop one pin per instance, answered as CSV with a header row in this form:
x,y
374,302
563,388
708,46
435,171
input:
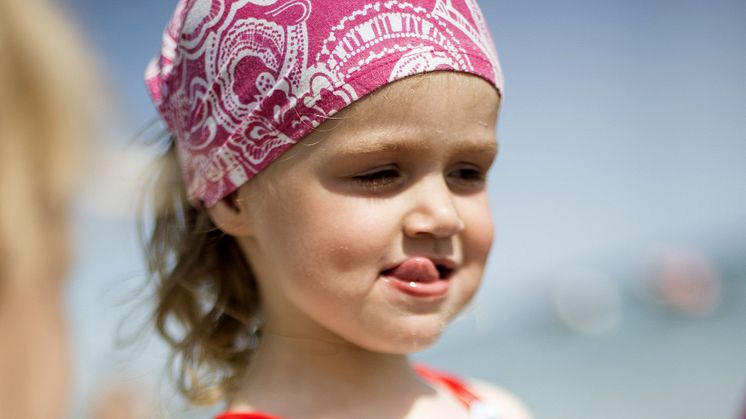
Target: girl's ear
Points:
x,y
230,216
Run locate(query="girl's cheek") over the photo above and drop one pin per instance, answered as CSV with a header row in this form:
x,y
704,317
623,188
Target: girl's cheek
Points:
x,y
358,233
331,231
481,231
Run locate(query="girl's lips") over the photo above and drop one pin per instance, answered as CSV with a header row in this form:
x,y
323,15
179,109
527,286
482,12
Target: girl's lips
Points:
x,y
419,277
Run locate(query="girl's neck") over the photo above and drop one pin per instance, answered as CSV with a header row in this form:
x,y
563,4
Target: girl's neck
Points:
x,y
305,378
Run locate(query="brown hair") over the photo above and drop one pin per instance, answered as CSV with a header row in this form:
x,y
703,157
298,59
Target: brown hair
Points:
x,y
205,290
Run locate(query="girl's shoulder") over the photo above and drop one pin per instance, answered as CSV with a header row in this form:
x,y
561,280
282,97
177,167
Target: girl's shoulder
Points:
x,y
484,400
510,406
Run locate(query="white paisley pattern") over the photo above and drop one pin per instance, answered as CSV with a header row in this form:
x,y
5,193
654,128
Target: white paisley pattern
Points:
x,y
240,81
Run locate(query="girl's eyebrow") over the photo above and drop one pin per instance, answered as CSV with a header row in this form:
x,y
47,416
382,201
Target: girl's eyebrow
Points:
x,y
358,147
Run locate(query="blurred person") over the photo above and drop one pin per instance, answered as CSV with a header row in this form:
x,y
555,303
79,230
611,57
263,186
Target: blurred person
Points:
x,y
47,106
686,281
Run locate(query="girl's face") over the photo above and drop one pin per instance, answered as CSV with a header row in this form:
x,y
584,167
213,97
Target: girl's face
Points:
x,y
397,179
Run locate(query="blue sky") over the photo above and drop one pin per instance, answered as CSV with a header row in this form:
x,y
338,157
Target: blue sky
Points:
x,y
623,128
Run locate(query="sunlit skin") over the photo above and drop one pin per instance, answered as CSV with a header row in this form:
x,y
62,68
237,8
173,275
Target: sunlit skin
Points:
x,y
399,174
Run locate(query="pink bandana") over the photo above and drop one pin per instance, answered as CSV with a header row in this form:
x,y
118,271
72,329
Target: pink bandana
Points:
x,y
238,82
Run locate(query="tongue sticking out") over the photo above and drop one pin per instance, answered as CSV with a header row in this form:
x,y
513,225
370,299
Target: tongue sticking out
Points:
x,y
417,269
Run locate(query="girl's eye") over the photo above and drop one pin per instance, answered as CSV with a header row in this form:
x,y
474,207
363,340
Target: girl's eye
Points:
x,y
468,175
378,179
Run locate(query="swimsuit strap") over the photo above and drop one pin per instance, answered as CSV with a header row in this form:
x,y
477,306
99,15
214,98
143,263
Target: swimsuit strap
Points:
x,y
478,408
245,415
455,385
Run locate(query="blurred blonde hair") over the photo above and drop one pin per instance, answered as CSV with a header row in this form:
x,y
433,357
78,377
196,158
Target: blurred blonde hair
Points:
x,y
46,80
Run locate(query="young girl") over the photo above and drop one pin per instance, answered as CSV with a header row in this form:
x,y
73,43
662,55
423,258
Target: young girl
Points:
x,y
334,215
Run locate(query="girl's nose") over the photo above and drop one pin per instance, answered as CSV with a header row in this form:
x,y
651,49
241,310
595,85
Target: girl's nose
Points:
x,y
434,212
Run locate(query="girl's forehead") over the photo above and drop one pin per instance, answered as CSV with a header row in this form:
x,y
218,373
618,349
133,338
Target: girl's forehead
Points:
x,y
381,127
425,90
435,104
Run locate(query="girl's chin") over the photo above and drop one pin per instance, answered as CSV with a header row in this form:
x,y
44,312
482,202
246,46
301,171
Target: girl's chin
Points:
x,y
414,336
414,344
